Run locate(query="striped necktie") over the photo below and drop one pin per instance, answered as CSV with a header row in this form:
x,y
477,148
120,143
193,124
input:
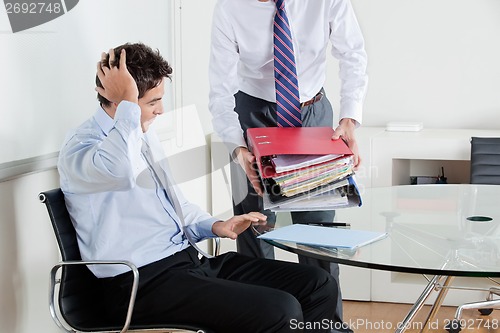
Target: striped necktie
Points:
x,y
285,73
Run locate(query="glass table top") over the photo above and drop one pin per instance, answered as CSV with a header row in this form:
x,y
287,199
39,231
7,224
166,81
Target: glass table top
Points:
x,y
432,229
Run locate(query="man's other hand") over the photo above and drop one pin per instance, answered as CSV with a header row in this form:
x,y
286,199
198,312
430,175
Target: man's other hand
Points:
x,y
237,224
345,130
247,161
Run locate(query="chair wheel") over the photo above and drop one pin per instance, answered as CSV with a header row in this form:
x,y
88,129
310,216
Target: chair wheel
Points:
x,y
453,326
485,312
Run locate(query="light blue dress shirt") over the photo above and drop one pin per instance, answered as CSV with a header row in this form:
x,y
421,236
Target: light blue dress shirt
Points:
x,y
119,210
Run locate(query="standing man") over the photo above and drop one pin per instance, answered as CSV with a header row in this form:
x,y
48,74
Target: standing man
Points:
x,y
244,79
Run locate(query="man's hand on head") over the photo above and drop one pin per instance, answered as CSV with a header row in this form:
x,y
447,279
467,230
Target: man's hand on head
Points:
x,y
117,83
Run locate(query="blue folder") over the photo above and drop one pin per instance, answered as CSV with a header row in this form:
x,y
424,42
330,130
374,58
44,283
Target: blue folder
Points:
x,y
324,236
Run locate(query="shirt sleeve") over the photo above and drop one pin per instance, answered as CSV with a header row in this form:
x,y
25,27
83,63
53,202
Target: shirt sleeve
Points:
x,y
223,78
97,162
349,48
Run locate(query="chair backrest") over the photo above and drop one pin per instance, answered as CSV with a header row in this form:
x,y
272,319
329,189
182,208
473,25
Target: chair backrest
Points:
x,y
485,161
79,291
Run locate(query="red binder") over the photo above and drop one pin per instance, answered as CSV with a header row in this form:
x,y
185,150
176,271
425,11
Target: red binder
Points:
x,y
267,142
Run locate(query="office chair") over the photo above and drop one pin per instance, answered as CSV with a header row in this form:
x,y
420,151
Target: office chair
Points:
x,y
485,169
485,161
74,297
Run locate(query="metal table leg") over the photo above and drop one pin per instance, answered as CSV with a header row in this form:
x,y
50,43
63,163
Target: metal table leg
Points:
x,y
437,303
418,304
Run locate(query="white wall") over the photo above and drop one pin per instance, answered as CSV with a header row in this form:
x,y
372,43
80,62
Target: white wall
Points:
x,y
27,251
48,71
194,17
432,61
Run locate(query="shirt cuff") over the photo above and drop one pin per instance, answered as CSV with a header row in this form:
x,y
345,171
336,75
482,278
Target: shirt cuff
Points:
x,y
351,109
128,111
202,230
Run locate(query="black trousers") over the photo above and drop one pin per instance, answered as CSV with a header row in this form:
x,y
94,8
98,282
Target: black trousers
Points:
x,y
230,293
256,112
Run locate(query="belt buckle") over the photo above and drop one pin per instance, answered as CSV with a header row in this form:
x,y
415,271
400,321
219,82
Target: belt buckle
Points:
x,y
313,100
318,97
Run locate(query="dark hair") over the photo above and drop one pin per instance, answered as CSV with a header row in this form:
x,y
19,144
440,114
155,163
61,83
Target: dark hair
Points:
x,y
147,67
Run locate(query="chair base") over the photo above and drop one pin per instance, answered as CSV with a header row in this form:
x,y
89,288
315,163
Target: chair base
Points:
x,y
484,307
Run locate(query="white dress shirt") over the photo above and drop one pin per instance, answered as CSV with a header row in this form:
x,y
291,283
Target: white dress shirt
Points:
x,y
119,209
242,56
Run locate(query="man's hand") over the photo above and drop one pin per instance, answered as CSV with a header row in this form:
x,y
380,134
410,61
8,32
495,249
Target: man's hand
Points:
x,y
118,84
237,224
247,161
345,130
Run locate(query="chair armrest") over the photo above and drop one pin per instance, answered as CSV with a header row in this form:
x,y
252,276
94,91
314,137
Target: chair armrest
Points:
x,y
54,281
217,246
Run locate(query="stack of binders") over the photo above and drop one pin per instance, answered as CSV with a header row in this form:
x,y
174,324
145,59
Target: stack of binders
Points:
x,y
303,169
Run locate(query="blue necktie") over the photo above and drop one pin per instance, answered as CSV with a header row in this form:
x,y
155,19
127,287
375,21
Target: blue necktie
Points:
x,y
285,73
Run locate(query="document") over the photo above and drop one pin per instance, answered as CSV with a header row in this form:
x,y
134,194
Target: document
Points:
x,y
283,163
324,201
304,180
338,194
324,236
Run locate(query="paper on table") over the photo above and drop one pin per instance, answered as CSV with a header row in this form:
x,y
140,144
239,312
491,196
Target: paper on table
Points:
x,y
324,236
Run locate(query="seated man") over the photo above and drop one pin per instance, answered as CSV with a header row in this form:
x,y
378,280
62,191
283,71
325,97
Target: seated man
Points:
x,y
119,195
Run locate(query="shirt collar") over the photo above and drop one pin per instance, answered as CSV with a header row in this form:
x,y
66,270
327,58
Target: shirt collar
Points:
x,y
105,122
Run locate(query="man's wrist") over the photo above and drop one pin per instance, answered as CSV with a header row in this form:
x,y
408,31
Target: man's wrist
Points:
x,y
215,226
128,110
348,122
236,152
131,98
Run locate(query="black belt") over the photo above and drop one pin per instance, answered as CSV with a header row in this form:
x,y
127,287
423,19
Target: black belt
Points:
x,y
188,255
313,100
